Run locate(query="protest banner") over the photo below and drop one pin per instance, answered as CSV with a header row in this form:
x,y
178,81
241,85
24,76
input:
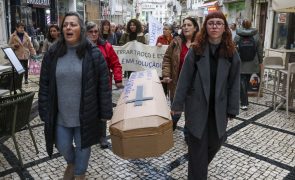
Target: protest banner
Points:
x,y
135,56
155,30
35,65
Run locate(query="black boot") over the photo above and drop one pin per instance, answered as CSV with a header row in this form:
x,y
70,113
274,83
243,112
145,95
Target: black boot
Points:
x,y
104,143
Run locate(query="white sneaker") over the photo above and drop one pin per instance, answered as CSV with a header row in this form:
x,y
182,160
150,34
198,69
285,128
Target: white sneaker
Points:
x,y
245,108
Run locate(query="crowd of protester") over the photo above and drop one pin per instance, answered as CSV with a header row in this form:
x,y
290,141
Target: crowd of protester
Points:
x,y
201,62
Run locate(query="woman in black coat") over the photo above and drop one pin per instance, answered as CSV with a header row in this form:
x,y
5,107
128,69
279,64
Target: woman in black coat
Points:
x,y
208,91
74,95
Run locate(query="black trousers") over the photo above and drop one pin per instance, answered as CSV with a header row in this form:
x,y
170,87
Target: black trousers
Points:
x,y
175,119
103,129
245,78
202,151
24,63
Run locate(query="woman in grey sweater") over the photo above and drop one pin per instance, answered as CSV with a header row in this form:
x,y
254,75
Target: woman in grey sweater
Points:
x,y
74,96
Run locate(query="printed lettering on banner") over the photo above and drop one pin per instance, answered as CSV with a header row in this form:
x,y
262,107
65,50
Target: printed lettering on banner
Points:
x,y
135,56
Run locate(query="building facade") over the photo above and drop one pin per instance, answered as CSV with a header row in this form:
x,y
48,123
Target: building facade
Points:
x,y
3,20
33,13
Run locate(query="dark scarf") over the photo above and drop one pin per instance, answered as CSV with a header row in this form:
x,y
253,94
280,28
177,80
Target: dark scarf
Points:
x,y
214,55
21,36
105,36
132,36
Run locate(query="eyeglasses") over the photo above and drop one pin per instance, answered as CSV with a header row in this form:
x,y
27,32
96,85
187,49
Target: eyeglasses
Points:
x,y
93,31
218,24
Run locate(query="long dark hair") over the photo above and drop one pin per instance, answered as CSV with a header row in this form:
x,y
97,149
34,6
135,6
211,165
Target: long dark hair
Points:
x,y
137,24
227,47
84,43
102,24
49,37
196,25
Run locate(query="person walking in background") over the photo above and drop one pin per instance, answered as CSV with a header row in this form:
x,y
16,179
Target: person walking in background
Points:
x,y
233,29
134,32
250,51
208,92
106,34
74,95
119,32
176,30
174,59
22,46
32,31
113,27
167,37
113,63
146,33
52,37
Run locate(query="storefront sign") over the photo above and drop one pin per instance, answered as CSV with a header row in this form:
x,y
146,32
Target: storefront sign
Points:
x,y
212,9
282,18
39,2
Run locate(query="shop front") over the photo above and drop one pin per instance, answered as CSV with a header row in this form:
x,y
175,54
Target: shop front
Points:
x,y
65,6
34,13
282,33
210,7
234,11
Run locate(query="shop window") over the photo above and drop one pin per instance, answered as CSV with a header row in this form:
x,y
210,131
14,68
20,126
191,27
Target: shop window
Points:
x,y
283,35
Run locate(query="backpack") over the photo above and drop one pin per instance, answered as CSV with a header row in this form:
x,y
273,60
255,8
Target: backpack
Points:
x,y
247,48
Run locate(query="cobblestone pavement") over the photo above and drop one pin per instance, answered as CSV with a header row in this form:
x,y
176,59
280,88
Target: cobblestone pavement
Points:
x,y
260,145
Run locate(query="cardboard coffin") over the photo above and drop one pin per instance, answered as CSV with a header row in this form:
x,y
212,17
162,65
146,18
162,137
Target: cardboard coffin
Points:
x,y
141,125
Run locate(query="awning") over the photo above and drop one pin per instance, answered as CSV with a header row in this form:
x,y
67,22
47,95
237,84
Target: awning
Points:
x,y
208,4
233,1
283,5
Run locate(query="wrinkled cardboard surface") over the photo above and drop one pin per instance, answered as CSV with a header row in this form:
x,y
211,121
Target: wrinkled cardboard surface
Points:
x,y
129,116
142,131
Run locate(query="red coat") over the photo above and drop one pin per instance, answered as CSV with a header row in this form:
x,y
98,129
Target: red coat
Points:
x,y
163,40
112,59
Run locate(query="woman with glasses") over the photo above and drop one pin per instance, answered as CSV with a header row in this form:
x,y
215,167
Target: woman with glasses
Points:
x,y
174,59
74,95
167,37
208,91
114,68
52,36
106,33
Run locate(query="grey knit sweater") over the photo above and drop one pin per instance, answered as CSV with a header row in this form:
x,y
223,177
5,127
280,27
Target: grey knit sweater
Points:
x,y
69,84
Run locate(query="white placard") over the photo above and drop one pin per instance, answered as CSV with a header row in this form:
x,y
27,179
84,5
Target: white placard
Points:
x,y
155,30
14,60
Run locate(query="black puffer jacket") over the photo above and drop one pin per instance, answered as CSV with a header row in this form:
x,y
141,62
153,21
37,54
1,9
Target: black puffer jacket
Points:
x,y
96,97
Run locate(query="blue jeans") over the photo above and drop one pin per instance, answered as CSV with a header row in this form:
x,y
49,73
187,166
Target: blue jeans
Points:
x,y
73,155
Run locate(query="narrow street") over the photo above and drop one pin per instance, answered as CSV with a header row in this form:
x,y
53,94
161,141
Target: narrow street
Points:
x,y
260,145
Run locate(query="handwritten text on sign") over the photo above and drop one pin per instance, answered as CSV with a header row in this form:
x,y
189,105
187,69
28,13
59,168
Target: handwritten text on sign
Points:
x,y
135,56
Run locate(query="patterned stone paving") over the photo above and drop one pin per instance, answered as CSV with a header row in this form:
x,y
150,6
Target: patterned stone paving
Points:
x,y
260,145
